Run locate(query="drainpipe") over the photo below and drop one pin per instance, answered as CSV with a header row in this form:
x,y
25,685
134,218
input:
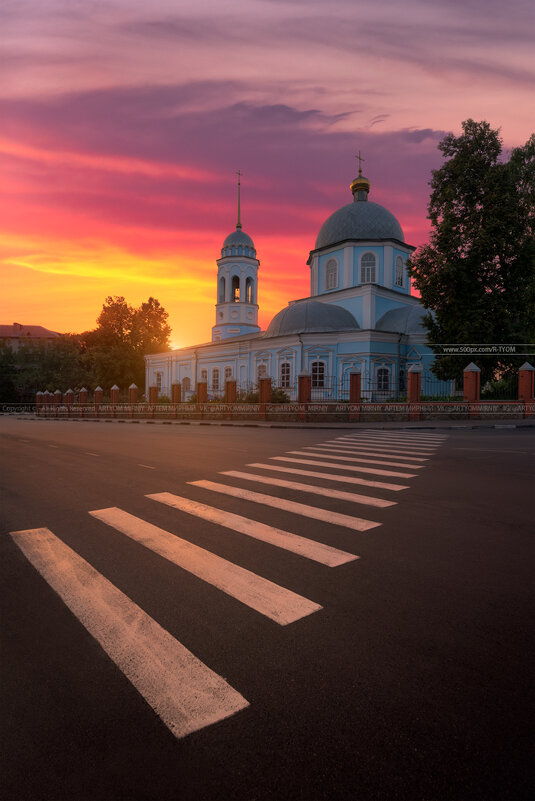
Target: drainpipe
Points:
x,y
301,365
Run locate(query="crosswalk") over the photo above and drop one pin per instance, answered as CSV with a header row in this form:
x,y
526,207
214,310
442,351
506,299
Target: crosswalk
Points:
x,y
184,692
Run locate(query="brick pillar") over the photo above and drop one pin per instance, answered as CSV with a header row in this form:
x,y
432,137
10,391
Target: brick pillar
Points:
x,y
114,395
202,392
57,397
153,395
471,388
48,397
83,397
176,393
414,388
354,394
39,400
230,391
98,396
304,393
132,394
68,398
526,388
264,390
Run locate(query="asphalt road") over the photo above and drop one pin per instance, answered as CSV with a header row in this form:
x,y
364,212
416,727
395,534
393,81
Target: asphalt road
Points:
x,y
412,681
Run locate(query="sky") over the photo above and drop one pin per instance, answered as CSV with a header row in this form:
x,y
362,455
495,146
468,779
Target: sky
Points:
x,y
124,123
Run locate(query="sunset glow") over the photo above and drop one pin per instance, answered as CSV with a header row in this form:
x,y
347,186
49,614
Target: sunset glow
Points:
x,y
124,125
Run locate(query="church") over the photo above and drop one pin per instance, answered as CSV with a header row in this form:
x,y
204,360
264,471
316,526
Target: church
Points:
x,y
360,316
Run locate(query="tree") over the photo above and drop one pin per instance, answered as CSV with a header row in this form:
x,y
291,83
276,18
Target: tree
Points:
x,y
477,274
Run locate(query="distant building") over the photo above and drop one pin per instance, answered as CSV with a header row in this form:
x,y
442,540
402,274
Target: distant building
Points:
x,y
360,315
17,334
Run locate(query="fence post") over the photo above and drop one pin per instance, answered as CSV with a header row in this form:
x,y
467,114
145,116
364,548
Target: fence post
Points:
x,y
68,398
264,395
153,395
414,387
526,387
176,393
114,395
98,398
230,391
304,393
132,394
39,398
471,387
354,395
202,396
83,396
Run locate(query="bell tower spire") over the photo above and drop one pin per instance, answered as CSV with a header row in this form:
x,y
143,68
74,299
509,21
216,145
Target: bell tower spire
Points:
x,y
238,224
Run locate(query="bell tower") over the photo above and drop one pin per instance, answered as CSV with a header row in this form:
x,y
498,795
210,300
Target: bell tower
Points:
x,y
236,311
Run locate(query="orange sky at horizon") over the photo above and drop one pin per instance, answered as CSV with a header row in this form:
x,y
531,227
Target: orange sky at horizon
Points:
x,y
124,126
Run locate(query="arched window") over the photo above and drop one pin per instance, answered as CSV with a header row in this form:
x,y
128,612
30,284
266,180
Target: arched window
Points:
x,y
285,374
249,290
318,374
240,250
215,379
261,371
398,281
331,274
233,250
204,375
186,384
221,296
367,268
235,288
159,381
383,379
228,373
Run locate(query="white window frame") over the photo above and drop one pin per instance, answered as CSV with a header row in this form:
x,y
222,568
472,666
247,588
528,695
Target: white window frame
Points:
x,y
215,379
381,373
285,374
398,280
368,273
331,274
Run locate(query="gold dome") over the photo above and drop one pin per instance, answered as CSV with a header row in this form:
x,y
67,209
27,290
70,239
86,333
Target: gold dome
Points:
x,y
360,184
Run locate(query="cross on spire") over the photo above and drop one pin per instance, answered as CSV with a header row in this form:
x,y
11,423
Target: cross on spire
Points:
x,y
239,174
360,160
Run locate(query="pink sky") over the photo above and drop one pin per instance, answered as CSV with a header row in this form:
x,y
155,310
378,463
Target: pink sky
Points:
x,y
125,121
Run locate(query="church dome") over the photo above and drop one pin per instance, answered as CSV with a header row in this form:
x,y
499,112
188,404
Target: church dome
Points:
x,y
311,316
405,320
238,237
359,220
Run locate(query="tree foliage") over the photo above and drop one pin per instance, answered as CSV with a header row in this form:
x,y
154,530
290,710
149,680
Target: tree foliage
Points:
x,y
477,274
110,354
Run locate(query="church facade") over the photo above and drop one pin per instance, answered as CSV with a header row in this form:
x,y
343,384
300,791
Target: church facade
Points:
x,y
360,315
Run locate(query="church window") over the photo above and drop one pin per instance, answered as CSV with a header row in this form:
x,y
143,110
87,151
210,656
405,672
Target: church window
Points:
x,y
399,271
158,377
235,288
249,290
331,274
233,251
215,379
285,374
186,384
240,250
228,373
367,269
402,385
262,371
383,379
204,375
318,374
221,289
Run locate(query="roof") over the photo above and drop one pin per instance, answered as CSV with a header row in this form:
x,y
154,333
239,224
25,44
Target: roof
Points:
x,y
359,220
404,320
238,237
310,316
17,330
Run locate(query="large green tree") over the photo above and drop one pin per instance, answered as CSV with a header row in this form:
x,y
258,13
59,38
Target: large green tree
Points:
x,y
477,274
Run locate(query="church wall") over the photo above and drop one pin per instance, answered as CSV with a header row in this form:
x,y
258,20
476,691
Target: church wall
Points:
x,y
378,251
322,262
382,305
406,288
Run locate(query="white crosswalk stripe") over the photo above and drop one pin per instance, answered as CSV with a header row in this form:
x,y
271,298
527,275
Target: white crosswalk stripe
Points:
x,y
355,523
182,690
310,549
357,459
372,470
424,444
360,452
277,603
396,438
330,476
312,488
393,449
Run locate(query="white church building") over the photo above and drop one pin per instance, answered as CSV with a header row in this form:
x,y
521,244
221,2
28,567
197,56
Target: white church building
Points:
x,y
360,315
